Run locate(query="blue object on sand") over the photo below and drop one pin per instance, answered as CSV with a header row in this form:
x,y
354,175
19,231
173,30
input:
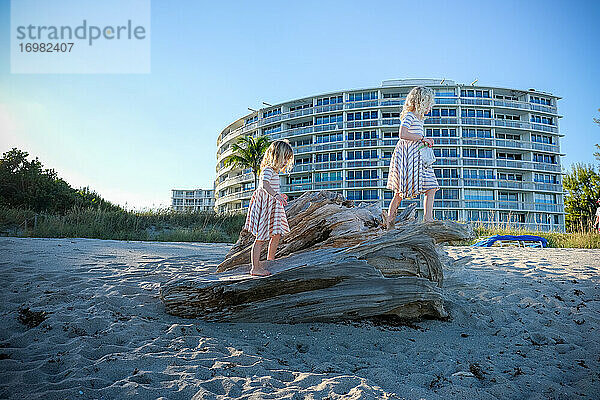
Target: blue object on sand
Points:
x,y
489,242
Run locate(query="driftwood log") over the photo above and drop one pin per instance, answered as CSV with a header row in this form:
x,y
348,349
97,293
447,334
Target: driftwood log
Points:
x,y
336,263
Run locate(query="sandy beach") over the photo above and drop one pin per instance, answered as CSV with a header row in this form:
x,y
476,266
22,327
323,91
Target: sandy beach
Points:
x,y
81,319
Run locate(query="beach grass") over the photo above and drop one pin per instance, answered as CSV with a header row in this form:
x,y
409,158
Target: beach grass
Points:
x,y
154,225
166,225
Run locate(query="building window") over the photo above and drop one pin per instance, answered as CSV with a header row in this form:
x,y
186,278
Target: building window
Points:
x,y
545,178
300,107
300,124
332,137
476,133
546,198
508,196
357,116
468,112
362,135
328,176
446,173
507,136
540,100
510,117
474,93
326,157
443,112
272,129
542,139
478,174
507,176
361,154
301,142
479,194
393,95
508,156
298,179
445,152
324,101
362,174
542,120
445,92
441,132
369,194
544,158
272,112
362,96
302,160
477,153
447,194
328,119
506,97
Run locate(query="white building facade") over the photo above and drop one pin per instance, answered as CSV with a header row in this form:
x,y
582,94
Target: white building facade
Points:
x,y
193,200
498,151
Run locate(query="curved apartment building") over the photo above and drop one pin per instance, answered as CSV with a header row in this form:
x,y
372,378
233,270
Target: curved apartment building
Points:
x,y
497,148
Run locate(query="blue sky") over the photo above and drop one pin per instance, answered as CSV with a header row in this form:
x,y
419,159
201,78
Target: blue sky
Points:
x,y
134,137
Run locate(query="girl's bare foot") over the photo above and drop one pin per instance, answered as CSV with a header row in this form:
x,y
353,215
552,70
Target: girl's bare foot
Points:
x,y
259,272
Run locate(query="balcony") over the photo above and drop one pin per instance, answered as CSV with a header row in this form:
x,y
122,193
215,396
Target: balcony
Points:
x,y
362,124
329,127
363,183
446,161
548,187
477,142
297,187
479,182
476,101
509,184
234,196
302,167
476,121
362,163
441,121
328,185
511,124
445,182
446,204
551,148
512,104
481,162
362,143
542,108
328,165
362,104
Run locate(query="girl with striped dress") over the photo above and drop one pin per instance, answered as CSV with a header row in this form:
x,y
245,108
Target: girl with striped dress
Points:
x,y
408,176
266,217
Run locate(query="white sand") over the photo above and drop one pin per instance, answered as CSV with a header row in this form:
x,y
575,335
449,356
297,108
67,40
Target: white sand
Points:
x,y
527,319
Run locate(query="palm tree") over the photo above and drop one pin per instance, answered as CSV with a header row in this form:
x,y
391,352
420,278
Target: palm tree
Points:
x,y
248,153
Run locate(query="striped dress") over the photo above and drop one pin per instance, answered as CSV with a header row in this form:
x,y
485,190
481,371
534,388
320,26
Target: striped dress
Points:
x,y
266,216
408,176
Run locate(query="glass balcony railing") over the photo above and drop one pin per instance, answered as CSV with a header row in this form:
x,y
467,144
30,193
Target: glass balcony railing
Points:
x,y
476,101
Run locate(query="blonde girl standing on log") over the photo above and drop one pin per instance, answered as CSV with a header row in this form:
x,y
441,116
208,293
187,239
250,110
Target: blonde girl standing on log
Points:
x,y
266,217
408,176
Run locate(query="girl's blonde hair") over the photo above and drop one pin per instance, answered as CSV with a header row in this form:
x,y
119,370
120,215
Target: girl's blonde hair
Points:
x,y
278,156
418,100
